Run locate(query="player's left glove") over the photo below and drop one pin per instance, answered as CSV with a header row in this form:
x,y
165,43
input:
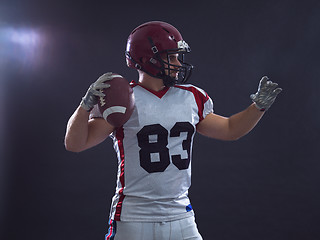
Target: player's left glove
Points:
x,y
266,94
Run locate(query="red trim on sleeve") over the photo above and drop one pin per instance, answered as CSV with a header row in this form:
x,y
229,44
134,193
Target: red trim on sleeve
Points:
x,y
199,97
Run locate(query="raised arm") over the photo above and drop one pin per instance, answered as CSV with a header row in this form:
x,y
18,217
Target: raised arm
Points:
x,y
82,133
238,125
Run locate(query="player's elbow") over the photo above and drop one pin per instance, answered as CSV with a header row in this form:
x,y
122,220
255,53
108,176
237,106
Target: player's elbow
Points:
x,y
72,148
69,146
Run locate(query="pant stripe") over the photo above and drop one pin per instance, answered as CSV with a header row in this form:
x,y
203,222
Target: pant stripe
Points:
x,y
112,230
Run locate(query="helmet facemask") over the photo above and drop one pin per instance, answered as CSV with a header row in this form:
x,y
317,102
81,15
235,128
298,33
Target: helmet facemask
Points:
x,y
166,68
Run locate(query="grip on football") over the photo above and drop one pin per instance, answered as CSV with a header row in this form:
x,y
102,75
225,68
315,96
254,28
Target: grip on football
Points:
x,y
94,92
116,101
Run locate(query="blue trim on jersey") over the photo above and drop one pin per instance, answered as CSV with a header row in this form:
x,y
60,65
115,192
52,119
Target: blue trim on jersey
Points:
x,y
112,230
189,208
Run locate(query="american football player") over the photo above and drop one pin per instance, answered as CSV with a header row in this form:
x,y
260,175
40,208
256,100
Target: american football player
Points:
x,y
154,147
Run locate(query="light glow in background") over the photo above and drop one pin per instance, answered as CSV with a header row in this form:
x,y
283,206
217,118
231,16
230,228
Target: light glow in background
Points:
x,y
21,46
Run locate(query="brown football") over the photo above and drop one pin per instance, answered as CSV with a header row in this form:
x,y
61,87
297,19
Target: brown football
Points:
x,y
118,103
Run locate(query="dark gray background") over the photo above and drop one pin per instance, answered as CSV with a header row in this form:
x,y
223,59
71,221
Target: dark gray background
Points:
x,y
263,186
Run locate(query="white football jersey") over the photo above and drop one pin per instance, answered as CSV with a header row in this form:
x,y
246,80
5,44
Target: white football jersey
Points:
x,y
154,149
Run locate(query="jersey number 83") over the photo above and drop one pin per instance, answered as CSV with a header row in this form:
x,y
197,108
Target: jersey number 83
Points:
x,y
160,146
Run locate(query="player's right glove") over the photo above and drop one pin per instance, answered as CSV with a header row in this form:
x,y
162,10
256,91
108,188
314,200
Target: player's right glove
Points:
x,y
95,91
266,94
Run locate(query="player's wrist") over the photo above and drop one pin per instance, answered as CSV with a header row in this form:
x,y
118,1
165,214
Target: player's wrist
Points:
x,y
87,104
89,100
85,107
260,108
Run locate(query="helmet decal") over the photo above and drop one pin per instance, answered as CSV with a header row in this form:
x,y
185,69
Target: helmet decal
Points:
x,y
182,44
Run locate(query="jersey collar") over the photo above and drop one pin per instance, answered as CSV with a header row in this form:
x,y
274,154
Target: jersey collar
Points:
x,y
159,94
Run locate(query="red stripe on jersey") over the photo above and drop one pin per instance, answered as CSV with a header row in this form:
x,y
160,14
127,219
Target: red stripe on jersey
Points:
x,y
199,97
120,136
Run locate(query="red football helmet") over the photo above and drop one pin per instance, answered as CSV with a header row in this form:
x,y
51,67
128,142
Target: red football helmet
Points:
x,y
148,43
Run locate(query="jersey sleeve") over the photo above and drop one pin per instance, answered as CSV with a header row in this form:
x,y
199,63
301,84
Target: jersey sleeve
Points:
x,y
208,107
95,113
205,103
202,99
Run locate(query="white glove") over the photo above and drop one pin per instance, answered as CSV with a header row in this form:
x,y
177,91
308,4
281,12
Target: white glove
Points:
x,y
266,94
96,90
